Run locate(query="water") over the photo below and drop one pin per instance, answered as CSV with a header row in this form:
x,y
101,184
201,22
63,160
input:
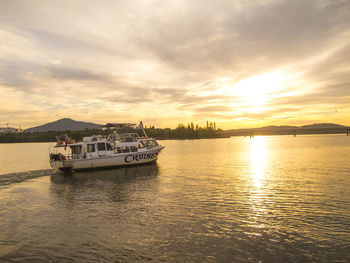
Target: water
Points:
x,y
268,199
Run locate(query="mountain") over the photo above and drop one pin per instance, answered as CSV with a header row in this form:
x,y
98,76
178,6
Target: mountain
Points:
x,y
64,125
322,126
310,126
316,128
277,127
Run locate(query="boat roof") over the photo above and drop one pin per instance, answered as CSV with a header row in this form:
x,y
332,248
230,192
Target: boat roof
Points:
x,y
69,144
98,141
118,125
100,138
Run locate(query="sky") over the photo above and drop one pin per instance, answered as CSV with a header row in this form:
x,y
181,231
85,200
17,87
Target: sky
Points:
x,y
238,63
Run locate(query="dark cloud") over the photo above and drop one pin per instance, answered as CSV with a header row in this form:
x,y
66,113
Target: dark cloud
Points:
x,y
327,98
226,113
211,108
173,54
333,68
258,38
66,73
16,73
190,102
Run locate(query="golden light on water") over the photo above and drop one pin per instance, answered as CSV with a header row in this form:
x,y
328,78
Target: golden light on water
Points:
x,y
258,159
257,198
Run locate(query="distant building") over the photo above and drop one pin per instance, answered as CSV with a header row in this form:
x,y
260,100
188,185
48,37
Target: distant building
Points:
x,y
10,130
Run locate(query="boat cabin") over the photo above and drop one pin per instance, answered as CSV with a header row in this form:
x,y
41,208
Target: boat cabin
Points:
x,y
97,151
98,146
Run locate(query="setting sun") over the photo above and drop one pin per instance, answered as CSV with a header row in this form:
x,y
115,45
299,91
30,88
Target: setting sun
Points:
x,y
258,90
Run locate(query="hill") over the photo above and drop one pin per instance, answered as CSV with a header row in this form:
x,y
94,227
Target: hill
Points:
x,y
64,125
323,126
309,126
276,127
316,128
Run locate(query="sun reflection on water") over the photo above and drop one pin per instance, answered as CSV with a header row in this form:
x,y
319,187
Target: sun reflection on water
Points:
x,y
258,159
257,198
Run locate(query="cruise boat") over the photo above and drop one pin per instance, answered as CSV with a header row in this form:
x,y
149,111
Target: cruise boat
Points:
x,y
97,151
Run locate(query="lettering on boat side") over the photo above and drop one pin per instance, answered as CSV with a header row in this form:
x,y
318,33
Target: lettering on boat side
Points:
x,y
139,157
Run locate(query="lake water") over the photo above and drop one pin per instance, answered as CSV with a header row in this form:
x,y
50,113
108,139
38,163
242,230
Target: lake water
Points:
x,y
268,199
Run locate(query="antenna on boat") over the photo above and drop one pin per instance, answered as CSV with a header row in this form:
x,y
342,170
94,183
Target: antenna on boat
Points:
x,y
117,126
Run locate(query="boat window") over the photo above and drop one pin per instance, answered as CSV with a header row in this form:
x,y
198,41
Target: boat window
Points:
x,y
133,148
91,148
109,148
126,149
76,149
118,150
101,146
142,144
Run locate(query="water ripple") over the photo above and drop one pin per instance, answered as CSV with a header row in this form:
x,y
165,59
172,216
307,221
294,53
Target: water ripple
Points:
x,y
280,200
6,179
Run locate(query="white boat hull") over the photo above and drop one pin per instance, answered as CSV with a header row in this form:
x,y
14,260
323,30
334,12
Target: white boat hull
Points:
x,y
122,159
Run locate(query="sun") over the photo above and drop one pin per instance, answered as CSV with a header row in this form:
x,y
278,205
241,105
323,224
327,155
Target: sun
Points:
x,y
256,91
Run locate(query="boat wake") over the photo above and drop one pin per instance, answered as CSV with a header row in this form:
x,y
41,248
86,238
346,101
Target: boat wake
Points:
x,y
6,179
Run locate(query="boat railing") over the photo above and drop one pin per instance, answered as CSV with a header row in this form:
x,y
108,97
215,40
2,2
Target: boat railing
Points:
x,y
57,154
67,156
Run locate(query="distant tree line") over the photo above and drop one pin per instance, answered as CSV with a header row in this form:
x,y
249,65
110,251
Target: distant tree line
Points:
x,y
190,131
48,136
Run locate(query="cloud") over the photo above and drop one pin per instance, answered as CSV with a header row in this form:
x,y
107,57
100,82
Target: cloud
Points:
x,y
259,36
167,58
